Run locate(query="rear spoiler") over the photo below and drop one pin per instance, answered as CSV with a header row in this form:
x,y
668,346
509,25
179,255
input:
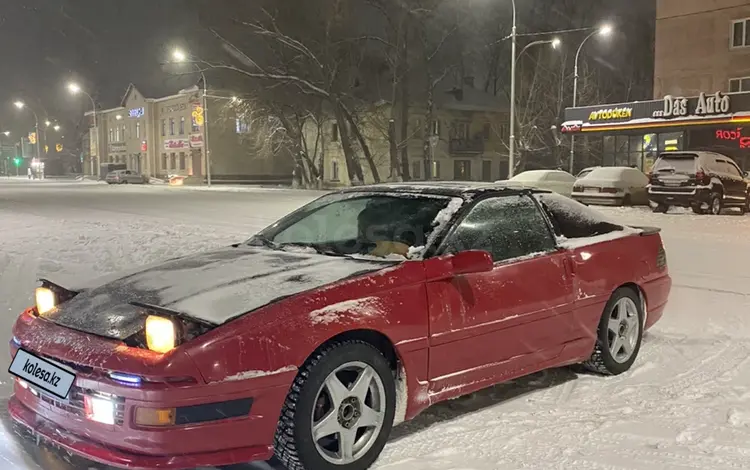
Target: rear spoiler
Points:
x,y
646,231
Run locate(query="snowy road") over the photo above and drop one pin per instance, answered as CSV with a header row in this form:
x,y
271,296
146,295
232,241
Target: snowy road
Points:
x,y
686,404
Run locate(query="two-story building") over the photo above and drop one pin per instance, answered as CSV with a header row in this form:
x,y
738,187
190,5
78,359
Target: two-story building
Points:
x,y
701,90
166,136
467,140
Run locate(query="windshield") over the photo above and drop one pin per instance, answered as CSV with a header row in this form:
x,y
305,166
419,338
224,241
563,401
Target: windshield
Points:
x,y
380,225
681,164
584,173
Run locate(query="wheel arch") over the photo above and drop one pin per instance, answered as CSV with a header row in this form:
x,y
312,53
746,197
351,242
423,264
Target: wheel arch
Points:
x,y
641,295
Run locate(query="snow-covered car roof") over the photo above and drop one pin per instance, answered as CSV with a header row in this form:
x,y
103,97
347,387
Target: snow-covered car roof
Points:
x,y
444,188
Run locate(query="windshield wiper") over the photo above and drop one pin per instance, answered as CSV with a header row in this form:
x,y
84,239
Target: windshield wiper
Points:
x,y
263,242
313,246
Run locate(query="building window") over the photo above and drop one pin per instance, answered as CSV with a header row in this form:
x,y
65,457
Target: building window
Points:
x,y
436,170
462,170
117,133
123,132
435,130
171,126
418,129
334,170
172,161
111,135
462,130
486,170
486,131
741,33
163,127
182,125
335,132
737,85
163,161
183,160
416,169
137,129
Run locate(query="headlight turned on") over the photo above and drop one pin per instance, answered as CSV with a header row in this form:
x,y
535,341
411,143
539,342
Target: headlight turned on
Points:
x,y
161,334
45,300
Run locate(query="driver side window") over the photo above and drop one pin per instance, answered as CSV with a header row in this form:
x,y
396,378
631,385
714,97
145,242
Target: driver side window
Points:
x,y
507,227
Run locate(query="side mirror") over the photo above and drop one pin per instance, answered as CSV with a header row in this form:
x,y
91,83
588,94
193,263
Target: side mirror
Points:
x,y
472,262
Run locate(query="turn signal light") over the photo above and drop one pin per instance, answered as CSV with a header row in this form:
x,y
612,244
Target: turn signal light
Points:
x,y
155,416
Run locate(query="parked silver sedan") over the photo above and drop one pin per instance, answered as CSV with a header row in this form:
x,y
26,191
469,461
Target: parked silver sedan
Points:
x,y
124,177
612,186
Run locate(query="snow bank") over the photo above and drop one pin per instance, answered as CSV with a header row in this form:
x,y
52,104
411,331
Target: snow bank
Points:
x,y
366,306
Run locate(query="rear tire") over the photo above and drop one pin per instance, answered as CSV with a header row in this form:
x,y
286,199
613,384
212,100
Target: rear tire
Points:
x,y
698,210
626,201
661,208
716,204
619,334
310,395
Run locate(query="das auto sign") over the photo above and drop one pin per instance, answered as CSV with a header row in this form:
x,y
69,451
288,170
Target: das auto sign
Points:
x,y
707,105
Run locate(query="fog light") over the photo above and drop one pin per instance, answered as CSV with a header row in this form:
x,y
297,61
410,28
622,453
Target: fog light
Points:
x,y
98,409
155,416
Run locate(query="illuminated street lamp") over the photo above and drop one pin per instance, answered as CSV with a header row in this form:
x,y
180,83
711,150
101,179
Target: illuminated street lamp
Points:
x,y
178,55
603,31
21,105
56,128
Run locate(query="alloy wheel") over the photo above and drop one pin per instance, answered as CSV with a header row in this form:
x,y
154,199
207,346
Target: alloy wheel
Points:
x,y
349,413
623,330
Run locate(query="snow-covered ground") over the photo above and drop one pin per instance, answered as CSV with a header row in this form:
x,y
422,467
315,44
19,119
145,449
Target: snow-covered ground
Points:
x,y
686,404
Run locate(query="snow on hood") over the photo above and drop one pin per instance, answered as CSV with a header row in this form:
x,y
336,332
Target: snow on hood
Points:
x,y
214,287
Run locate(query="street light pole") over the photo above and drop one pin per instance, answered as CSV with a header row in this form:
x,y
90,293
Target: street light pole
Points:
x,y
74,88
512,146
604,31
205,126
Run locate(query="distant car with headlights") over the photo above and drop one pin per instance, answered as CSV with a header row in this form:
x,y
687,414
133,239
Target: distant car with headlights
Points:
x,y
311,339
612,186
557,181
125,177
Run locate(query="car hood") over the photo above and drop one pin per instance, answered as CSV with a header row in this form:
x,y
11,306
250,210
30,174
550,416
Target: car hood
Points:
x,y
212,287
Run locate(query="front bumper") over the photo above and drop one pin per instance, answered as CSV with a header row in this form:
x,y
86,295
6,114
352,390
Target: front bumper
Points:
x,y
51,433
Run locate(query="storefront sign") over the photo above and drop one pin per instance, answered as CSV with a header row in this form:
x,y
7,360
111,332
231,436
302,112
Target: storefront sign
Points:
x,y
733,135
137,112
611,114
674,107
173,144
174,108
117,147
196,140
144,146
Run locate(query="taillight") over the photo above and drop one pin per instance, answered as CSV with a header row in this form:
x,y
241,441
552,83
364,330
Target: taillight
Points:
x,y
700,176
578,189
609,190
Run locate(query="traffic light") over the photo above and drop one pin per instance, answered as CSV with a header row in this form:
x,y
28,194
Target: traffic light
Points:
x,y
17,161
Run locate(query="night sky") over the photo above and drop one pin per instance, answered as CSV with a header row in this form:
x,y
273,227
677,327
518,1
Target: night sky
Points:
x,y
102,44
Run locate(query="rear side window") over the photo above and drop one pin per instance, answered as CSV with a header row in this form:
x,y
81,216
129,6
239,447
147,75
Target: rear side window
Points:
x,y
507,227
678,164
571,219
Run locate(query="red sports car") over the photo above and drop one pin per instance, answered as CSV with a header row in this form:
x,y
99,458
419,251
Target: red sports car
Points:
x,y
313,338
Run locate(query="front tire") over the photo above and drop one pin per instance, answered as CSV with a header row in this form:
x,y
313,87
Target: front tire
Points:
x,y
716,204
661,208
339,411
619,334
